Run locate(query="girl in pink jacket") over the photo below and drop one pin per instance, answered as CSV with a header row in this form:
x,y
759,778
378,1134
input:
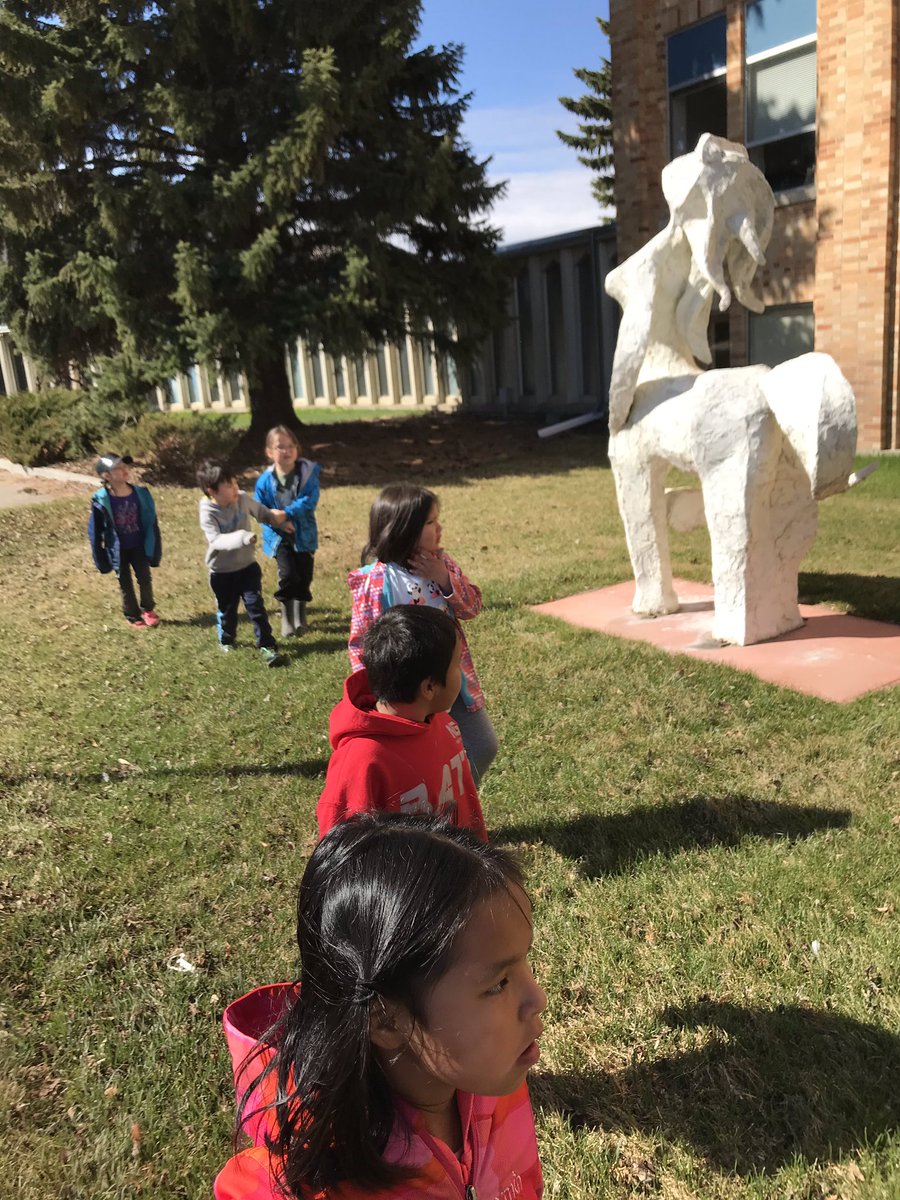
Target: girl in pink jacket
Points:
x,y
412,567
396,1068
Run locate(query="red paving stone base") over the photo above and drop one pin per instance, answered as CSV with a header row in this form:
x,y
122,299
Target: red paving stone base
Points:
x,y
834,656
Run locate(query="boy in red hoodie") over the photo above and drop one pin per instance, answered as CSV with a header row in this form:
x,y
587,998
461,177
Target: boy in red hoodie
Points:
x,y
396,747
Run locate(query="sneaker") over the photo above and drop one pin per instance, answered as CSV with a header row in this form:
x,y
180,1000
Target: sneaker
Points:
x,y
136,622
151,618
226,647
270,656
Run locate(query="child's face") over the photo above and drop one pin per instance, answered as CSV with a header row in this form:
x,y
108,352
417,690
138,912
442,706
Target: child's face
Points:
x,y
430,538
283,452
482,1018
226,493
119,476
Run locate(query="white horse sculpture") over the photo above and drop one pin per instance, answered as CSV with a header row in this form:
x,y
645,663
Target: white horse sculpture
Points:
x,y
766,444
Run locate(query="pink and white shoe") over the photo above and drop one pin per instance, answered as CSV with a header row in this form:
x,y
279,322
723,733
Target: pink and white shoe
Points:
x,y
151,618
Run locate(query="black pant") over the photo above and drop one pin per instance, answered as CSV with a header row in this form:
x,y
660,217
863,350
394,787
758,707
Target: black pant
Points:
x,y
135,560
295,572
230,588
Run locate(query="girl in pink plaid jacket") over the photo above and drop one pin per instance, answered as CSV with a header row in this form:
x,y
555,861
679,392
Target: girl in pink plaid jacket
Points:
x,y
411,567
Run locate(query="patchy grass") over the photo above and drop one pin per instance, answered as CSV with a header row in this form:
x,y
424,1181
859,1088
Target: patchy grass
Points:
x,y
714,859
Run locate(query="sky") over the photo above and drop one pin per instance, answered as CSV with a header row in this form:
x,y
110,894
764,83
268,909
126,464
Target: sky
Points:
x,y
519,56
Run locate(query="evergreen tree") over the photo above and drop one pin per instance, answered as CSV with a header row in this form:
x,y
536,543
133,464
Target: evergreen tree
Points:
x,y
594,112
207,179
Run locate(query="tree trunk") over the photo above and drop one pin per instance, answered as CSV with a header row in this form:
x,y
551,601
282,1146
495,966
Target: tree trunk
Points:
x,y
270,400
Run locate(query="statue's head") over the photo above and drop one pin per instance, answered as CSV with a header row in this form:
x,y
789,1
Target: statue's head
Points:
x,y
723,206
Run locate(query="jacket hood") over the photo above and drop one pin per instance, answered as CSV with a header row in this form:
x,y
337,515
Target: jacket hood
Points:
x,y
356,716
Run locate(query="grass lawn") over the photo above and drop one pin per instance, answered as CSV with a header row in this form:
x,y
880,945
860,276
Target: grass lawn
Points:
x,y
332,415
714,860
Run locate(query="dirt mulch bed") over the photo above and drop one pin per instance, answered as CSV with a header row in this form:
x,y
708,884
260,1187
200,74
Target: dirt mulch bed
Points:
x,y
435,447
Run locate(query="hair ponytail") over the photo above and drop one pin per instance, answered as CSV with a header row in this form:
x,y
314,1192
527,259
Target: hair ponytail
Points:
x,y
381,904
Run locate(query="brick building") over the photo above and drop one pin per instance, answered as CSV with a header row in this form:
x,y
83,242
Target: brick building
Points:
x,y
811,88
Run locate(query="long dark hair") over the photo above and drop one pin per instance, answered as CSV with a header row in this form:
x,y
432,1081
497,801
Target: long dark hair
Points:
x,y
396,520
381,903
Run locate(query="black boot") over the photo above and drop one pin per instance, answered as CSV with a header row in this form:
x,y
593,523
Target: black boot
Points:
x,y
299,613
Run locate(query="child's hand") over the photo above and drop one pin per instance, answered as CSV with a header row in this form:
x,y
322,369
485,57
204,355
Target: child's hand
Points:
x,y
249,538
287,527
431,566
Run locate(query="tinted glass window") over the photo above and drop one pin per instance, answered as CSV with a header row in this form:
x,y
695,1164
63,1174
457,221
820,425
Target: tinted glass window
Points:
x,y
696,53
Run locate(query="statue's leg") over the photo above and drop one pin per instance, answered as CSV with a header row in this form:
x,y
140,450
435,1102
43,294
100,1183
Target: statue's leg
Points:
x,y
793,518
640,487
728,500
761,521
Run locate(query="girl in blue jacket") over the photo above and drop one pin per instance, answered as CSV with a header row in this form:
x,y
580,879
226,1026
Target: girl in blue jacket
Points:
x,y
291,484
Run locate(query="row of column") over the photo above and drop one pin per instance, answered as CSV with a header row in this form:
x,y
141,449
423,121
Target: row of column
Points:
x,y
320,380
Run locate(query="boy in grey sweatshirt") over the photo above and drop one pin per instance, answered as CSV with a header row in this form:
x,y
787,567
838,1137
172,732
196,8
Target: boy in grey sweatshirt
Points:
x,y
234,573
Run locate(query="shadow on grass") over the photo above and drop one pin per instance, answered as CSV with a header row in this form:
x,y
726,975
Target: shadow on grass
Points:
x,y
311,643
608,845
323,637
311,768
764,1086
205,620
876,597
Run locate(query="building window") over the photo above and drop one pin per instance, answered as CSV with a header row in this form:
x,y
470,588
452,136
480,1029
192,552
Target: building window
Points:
x,y
720,340
405,374
318,379
781,91
696,81
526,332
781,332
212,383
359,369
234,386
381,364
340,382
20,372
590,326
192,376
556,329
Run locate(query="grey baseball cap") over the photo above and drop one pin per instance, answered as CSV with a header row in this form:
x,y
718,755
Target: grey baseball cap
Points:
x,y
106,462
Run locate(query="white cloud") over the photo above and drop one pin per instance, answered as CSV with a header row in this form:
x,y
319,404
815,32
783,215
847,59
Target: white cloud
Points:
x,y
542,203
548,191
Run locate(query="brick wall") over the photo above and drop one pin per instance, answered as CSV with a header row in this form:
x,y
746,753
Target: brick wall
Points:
x,y
856,264
839,251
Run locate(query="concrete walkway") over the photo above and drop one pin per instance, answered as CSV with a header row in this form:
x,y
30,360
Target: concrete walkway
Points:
x,y
19,489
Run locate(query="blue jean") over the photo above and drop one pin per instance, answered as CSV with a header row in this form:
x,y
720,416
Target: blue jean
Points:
x,y
230,588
